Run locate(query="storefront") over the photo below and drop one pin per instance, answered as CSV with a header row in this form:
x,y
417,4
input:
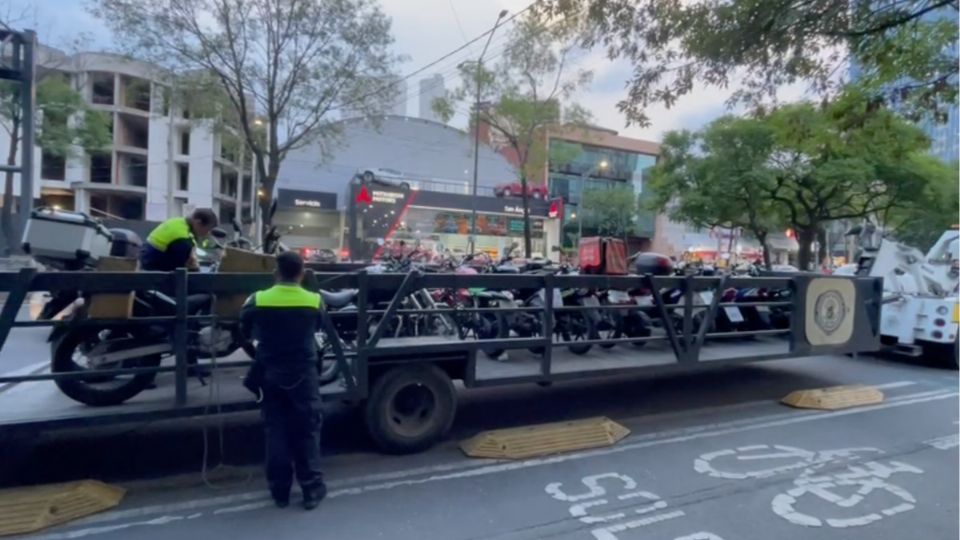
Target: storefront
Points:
x,y
380,217
308,220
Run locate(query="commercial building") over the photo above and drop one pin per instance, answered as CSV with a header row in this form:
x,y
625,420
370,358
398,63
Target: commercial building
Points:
x,y
424,193
160,161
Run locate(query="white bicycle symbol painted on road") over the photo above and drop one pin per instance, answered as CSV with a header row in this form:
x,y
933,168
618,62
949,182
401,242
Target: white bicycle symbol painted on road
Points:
x,y
860,488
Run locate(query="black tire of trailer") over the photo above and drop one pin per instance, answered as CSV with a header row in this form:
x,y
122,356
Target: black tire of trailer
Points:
x,y
410,408
78,390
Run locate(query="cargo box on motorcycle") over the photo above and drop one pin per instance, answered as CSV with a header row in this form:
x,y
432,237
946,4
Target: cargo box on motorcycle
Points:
x,y
599,255
65,240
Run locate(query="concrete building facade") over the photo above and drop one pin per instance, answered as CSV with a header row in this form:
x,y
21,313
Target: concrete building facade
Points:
x,y
159,163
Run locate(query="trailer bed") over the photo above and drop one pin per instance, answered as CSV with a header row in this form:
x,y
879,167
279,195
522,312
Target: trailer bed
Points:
x,y
39,405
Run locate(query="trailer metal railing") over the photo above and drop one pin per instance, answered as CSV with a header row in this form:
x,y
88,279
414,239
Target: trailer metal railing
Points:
x,y
685,325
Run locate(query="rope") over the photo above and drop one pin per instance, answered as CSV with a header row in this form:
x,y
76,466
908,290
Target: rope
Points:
x,y
214,399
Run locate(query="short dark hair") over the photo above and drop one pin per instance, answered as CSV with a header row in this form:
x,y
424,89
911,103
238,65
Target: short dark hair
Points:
x,y
205,217
289,265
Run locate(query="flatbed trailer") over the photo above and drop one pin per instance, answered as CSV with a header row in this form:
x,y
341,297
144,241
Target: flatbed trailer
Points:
x,y
405,384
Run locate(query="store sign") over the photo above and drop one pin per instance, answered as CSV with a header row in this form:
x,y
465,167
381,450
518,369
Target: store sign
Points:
x,y
307,203
311,200
389,197
510,209
363,197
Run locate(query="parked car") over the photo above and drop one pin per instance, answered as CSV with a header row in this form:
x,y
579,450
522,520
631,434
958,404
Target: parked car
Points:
x,y
385,177
513,189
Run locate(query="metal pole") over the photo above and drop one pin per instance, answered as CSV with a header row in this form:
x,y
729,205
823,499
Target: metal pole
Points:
x,y
476,137
27,98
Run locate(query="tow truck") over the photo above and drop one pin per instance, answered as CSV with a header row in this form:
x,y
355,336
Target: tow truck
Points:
x,y
920,312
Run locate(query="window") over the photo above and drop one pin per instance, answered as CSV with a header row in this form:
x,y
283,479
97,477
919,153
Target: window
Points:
x,y
185,143
52,167
183,176
136,93
101,168
102,88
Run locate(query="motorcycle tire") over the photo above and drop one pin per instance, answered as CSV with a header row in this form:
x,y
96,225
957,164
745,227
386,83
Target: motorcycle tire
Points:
x,y
83,390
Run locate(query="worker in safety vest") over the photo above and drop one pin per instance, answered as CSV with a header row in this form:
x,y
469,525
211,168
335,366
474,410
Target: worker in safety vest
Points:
x,y
284,320
171,244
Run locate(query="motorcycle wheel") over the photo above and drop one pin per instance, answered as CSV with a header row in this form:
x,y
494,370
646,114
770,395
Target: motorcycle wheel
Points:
x,y
99,391
577,327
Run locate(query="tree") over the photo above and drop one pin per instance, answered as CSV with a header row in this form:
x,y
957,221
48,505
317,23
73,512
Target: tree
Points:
x,y
68,124
921,221
610,211
905,50
525,94
845,160
800,166
286,66
719,178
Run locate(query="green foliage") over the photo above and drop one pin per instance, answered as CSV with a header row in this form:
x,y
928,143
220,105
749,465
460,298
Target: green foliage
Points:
x,y
921,221
905,53
800,166
719,177
89,129
610,212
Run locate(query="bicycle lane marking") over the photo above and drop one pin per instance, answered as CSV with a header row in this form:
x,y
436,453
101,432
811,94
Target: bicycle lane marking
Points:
x,y
701,432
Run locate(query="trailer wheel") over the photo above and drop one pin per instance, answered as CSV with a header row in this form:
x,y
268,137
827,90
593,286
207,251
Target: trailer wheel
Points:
x,y
410,408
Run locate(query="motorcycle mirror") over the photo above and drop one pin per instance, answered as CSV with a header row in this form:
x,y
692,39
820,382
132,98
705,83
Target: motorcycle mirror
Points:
x,y
218,233
236,226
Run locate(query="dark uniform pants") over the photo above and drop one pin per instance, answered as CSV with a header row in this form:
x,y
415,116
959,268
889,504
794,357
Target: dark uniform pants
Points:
x,y
292,420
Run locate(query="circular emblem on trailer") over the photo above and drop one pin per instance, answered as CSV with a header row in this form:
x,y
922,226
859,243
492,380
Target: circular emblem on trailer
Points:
x,y
829,311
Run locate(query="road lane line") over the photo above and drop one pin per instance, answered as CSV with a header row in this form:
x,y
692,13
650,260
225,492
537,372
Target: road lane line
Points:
x,y
944,443
499,467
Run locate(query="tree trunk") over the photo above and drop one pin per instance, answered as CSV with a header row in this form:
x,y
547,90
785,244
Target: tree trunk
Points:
x,y
764,249
6,214
527,248
805,237
823,250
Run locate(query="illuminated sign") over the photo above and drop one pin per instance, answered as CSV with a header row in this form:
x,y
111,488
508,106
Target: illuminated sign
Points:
x,y
307,203
513,209
390,197
364,196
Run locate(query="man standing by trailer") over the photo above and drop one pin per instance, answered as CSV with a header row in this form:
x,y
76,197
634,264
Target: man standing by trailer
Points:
x,y
284,320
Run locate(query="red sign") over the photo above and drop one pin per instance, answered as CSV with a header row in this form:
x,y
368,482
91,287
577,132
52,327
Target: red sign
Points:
x,y
556,209
364,196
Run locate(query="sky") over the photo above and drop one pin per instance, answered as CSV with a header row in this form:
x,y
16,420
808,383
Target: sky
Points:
x,y
424,30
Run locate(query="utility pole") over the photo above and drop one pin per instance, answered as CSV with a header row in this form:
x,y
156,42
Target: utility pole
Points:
x,y
476,136
17,65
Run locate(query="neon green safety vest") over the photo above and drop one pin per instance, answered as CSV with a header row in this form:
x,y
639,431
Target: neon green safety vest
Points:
x,y
170,231
287,296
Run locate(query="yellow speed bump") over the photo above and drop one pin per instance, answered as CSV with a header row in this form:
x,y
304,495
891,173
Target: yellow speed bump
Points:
x,y
544,439
834,397
29,509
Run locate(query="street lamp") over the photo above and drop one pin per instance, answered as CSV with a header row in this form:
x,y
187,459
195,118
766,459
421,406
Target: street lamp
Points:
x,y
476,134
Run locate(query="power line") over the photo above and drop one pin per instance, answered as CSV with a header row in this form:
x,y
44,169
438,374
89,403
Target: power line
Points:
x,y
437,61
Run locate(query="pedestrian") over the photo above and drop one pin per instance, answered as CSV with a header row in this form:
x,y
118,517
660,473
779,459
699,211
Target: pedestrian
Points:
x,y
284,320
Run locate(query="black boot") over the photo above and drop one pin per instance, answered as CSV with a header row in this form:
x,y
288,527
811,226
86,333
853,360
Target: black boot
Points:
x,y
313,495
281,498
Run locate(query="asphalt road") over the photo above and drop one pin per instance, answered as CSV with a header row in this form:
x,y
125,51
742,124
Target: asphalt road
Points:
x,y
711,456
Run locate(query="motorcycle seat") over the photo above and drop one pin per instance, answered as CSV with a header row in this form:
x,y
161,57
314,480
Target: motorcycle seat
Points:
x,y
338,299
